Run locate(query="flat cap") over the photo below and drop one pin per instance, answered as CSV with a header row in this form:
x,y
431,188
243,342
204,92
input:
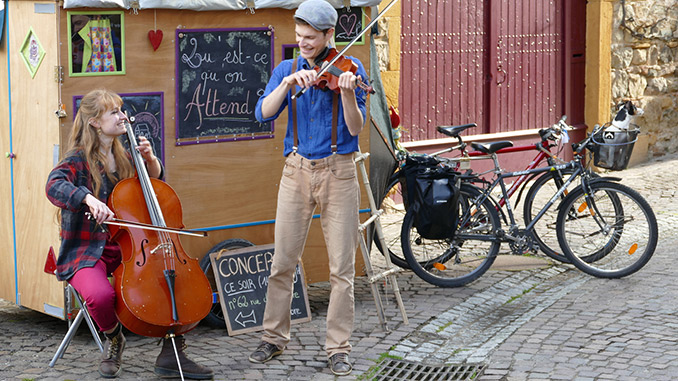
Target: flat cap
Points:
x,y
319,14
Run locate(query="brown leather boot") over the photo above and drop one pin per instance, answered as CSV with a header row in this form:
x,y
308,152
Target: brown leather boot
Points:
x,y
111,359
166,363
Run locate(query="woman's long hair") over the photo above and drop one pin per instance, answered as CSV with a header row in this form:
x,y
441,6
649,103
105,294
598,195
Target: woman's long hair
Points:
x,y
85,137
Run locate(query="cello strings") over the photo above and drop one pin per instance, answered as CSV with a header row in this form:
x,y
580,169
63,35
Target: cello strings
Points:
x,y
152,204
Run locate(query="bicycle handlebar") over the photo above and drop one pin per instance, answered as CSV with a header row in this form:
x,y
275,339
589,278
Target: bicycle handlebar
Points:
x,y
555,132
579,147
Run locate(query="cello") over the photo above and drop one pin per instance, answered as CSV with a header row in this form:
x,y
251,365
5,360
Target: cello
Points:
x,y
160,290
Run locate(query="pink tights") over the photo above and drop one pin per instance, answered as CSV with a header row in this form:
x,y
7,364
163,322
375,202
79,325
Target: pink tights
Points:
x,y
93,285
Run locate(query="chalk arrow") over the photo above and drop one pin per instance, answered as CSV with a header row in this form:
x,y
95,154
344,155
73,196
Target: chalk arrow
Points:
x,y
244,319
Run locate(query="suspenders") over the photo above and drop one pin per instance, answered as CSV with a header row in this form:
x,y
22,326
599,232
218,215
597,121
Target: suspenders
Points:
x,y
335,111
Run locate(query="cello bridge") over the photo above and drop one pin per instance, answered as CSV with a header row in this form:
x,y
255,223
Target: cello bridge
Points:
x,y
167,246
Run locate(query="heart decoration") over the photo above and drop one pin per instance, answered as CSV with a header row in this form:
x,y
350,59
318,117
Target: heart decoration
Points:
x,y
347,23
155,36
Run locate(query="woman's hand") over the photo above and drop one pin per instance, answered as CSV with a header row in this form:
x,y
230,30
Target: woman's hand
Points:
x,y
145,149
152,162
99,210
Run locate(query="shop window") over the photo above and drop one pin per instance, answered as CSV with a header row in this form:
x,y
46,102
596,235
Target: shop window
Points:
x,y
290,51
96,44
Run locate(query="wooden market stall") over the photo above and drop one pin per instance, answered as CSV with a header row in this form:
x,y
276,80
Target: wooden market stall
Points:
x,y
192,84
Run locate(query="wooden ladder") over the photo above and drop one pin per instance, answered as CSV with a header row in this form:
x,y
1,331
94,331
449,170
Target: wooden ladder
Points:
x,y
391,270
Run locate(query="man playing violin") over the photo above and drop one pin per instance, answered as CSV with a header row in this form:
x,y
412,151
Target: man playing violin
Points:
x,y
79,185
321,138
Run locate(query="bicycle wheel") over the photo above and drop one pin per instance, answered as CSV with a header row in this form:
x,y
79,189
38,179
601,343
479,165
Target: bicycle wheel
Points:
x,y
544,231
465,257
392,221
609,233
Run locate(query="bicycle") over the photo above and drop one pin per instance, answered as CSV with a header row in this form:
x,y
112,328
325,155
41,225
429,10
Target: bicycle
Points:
x,y
546,184
604,228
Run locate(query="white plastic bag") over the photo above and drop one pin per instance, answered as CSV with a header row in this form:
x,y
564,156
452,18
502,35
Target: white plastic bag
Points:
x,y
194,5
95,4
294,4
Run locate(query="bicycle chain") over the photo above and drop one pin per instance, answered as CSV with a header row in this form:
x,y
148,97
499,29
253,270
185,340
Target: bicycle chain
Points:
x,y
521,242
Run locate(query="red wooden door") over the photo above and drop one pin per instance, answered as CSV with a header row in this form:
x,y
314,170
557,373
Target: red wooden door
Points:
x,y
504,65
526,68
443,65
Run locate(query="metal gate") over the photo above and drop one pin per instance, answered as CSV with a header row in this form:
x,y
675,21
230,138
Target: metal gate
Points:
x,y
501,64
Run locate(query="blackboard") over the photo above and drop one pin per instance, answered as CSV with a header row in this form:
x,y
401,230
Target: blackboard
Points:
x,y
146,110
242,279
349,24
220,75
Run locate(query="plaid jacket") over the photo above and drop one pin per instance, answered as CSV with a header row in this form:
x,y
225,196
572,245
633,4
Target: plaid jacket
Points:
x,y
82,241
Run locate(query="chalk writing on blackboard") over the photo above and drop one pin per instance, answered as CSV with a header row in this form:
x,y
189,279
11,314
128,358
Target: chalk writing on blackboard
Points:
x,y
349,25
241,276
146,110
221,73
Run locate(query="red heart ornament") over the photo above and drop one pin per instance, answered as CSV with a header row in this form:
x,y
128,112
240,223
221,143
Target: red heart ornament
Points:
x,y
155,36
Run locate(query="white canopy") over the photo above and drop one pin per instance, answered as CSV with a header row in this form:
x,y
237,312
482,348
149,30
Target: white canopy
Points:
x,y
208,5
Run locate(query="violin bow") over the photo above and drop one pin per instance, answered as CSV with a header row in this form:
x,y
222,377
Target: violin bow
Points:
x,y
327,66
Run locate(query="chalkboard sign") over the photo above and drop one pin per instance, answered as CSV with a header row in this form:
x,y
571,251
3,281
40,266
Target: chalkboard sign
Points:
x,y
349,25
242,280
146,110
221,73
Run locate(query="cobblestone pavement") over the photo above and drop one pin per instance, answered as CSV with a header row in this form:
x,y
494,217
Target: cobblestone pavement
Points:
x,y
546,323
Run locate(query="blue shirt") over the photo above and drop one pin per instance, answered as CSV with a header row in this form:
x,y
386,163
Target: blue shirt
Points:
x,y
314,115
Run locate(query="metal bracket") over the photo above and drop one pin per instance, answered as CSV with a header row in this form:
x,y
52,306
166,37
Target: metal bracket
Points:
x,y
59,74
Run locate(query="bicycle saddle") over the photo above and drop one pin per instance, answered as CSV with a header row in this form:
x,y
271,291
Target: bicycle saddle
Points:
x,y
454,131
490,148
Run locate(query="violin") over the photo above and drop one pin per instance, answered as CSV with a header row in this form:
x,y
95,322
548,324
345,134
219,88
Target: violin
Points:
x,y
329,73
160,290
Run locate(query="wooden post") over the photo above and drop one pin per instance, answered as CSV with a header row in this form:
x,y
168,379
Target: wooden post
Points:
x,y
598,52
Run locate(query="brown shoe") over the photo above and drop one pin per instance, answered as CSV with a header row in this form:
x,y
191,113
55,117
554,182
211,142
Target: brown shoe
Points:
x,y
264,352
339,364
111,359
166,363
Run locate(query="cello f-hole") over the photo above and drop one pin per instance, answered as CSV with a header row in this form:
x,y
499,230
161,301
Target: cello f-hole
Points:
x,y
183,261
143,253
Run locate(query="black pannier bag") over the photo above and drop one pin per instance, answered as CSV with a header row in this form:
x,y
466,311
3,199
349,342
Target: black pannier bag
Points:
x,y
432,194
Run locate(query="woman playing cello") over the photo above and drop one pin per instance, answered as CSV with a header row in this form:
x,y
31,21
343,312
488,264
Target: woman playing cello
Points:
x,y
80,184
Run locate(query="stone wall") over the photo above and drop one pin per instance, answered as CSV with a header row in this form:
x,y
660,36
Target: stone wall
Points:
x,y
645,68
388,50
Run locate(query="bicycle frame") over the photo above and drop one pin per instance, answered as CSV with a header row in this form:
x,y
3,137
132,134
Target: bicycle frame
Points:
x,y
543,153
486,194
543,149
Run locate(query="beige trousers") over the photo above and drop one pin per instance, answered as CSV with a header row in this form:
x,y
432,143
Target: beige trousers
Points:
x,y
332,184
